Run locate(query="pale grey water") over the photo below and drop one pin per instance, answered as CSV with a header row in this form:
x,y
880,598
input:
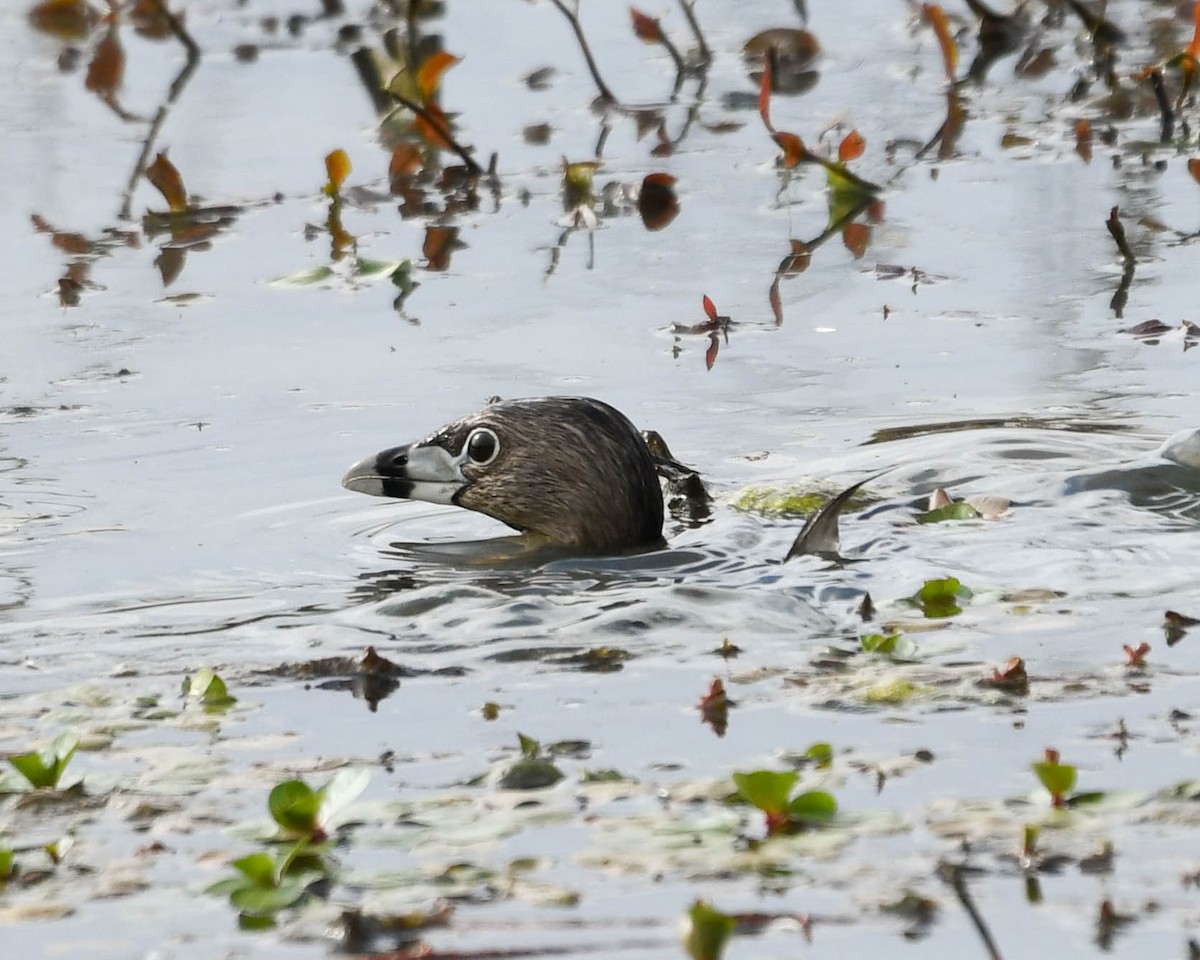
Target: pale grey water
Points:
x,y
186,512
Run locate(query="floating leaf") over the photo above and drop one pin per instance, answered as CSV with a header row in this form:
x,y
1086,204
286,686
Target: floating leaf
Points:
x,y
306,278
70,20
45,768
165,178
894,645
205,686
647,28
794,151
961,510
294,806
851,147
1012,679
706,932
813,807
940,598
1057,778
337,166
856,237
768,790
107,67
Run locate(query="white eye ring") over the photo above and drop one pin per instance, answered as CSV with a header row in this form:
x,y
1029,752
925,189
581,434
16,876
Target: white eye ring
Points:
x,y
482,447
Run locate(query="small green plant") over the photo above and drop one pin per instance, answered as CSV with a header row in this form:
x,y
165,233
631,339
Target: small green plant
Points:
x,y
770,792
706,931
1058,778
209,690
8,865
268,883
894,645
45,768
303,813
941,598
533,771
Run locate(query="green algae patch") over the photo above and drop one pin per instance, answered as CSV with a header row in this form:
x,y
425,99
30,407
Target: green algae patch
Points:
x,y
790,501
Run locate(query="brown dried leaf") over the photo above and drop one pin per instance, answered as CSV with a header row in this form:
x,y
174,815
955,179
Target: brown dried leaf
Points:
x,y
107,69
70,20
165,178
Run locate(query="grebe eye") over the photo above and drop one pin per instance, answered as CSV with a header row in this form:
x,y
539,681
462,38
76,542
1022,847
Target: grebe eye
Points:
x,y
482,447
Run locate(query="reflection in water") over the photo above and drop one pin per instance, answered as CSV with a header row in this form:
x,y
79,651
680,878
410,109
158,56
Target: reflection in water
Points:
x,y
1167,483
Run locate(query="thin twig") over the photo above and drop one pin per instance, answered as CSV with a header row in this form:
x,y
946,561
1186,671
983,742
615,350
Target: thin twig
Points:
x,y
1164,106
441,130
181,81
953,874
689,11
573,18
680,68
1117,229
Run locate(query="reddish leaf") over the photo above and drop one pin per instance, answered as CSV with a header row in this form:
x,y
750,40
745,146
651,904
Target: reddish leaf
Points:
x,y
1193,48
107,69
793,148
1136,656
935,16
440,243
647,28
876,210
406,161
709,308
166,179
851,147
856,237
1012,679
1194,169
710,355
429,76
764,97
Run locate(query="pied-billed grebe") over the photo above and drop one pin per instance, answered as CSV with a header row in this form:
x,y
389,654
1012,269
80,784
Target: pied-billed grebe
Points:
x,y
571,471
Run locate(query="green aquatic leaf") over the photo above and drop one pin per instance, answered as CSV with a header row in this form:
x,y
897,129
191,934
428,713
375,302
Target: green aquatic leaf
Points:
x,y
7,864
530,774
342,790
45,768
768,790
894,645
821,754
941,598
305,278
815,806
294,805
209,689
258,868
1057,778
706,932
530,748
954,511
